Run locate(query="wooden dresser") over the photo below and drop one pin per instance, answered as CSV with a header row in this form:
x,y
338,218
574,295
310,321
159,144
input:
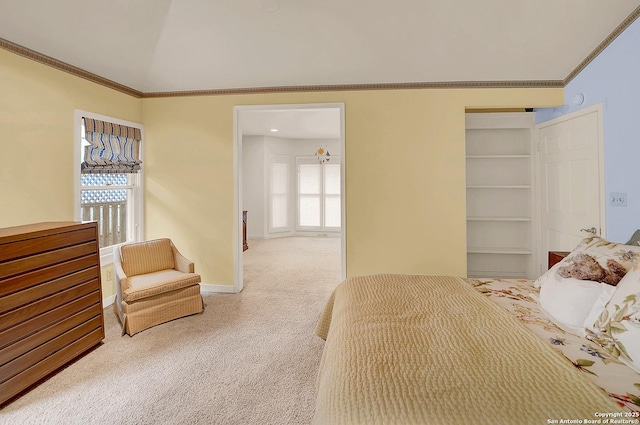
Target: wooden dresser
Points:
x,y
245,246
50,300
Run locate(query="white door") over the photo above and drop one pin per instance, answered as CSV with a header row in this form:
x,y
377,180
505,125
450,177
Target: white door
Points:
x,y
571,180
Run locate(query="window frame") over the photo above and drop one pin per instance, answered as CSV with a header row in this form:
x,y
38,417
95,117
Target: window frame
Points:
x,y
137,190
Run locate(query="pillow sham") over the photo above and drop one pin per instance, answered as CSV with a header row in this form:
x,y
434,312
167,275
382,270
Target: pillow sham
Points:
x,y
574,304
576,290
594,259
617,328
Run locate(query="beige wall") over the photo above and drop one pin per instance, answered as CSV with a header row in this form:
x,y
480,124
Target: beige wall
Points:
x,y
405,174
36,139
405,167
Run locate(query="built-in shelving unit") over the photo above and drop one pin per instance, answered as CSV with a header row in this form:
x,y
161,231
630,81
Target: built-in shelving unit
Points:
x,y
500,193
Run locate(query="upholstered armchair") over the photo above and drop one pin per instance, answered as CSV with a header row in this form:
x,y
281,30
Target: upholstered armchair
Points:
x,y
154,284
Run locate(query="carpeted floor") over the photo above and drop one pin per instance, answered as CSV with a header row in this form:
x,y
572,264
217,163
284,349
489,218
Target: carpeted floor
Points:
x,y
250,358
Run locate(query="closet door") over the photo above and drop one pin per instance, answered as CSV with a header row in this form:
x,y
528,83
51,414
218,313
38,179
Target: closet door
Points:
x,y
500,195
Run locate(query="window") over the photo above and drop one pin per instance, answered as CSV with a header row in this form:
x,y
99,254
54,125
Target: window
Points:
x,y
109,200
319,195
111,192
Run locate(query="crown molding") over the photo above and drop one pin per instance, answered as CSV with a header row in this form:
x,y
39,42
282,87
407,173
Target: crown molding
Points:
x,y
78,72
65,67
361,87
605,43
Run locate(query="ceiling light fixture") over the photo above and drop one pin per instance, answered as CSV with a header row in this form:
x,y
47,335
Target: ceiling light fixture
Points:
x,y
274,130
323,155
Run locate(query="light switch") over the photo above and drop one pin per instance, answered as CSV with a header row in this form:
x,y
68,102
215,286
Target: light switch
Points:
x,y
618,199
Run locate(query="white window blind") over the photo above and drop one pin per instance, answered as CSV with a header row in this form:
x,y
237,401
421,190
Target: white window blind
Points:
x,y
309,191
318,195
332,210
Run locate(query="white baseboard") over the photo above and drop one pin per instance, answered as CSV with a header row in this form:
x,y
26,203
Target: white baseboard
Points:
x,y
227,289
108,301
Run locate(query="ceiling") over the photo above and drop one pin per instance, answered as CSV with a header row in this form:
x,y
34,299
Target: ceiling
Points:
x,y
292,123
160,46
165,47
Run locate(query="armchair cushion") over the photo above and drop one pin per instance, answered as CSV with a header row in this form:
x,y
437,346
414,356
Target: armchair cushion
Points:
x,y
150,284
147,257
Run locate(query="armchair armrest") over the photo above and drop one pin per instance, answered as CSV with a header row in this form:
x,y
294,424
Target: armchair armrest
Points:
x,y
183,264
121,280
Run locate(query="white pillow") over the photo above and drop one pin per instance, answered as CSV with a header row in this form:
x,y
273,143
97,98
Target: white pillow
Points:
x,y
618,327
574,304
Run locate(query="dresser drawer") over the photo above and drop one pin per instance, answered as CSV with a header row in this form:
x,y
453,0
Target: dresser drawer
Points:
x,y
37,245
36,339
27,264
41,369
47,289
10,335
43,305
32,357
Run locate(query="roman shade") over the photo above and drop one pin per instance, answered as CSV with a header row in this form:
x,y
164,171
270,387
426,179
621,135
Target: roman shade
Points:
x,y
113,148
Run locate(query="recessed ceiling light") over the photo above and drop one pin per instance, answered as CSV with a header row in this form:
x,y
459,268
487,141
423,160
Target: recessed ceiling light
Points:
x,y
274,130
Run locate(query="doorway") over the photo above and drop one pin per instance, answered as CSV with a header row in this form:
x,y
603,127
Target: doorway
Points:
x,y
311,121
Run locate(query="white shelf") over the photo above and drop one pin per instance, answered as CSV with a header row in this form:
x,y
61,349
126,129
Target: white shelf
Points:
x,y
499,219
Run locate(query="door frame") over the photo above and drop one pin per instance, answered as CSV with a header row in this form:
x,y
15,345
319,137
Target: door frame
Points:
x,y
237,182
598,110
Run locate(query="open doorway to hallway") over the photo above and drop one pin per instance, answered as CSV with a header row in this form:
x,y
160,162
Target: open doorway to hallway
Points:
x,y
289,177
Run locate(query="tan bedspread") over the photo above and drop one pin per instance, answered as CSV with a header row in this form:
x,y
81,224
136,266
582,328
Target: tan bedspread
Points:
x,y
430,350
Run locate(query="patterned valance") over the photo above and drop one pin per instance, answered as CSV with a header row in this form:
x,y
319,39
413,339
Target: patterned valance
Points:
x,y
114,148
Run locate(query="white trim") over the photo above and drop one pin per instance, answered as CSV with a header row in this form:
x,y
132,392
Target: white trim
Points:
x,y
238,276
502,120
209,287
343,228
237,180
106,254
278,159
106,302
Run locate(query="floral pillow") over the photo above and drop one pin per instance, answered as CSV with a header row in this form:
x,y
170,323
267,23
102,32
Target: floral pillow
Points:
x,y
617,328
594,259
576,290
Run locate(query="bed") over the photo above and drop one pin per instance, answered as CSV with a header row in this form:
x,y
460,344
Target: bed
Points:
x,y
414,349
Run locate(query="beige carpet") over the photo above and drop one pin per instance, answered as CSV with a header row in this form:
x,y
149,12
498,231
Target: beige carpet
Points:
x,y
250,358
